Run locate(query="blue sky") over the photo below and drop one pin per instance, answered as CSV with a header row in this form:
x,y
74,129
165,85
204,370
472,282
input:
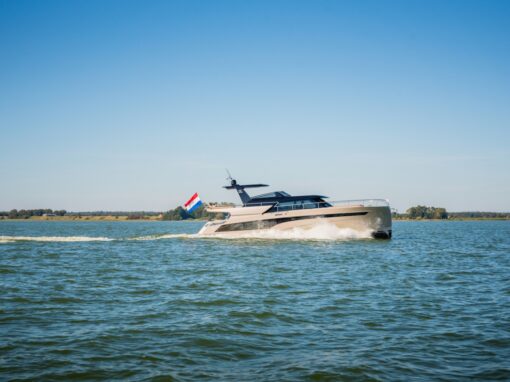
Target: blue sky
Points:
x,y
132,105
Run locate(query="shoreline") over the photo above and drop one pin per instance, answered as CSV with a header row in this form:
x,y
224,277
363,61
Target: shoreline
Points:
x,y
125,218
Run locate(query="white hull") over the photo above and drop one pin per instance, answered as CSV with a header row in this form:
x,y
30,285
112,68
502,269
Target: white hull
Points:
x,y
357,217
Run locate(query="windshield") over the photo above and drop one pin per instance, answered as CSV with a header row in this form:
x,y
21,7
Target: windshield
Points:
x,y
276,194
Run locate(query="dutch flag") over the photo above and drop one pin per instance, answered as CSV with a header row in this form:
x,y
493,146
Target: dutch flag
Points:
x,y
193,203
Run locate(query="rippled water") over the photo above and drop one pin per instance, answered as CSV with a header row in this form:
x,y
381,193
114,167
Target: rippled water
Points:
x,y
145,300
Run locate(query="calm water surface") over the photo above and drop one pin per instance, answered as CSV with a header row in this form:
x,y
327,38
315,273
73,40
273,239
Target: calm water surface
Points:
x,y
141,303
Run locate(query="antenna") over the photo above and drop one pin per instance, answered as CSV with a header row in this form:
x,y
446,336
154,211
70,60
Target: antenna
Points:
x,y
232,180
245,198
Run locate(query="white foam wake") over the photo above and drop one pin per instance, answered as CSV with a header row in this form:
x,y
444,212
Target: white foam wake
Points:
x,y
11,239
166,236
322,231
71,239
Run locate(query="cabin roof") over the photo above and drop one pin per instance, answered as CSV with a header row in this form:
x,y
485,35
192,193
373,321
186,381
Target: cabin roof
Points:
x,y
281,196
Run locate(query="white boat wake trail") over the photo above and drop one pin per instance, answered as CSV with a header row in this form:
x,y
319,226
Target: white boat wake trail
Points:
x,y
10,239
164,236
78,239
320,232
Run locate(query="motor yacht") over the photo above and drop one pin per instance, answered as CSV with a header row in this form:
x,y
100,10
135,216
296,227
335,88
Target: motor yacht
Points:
x,y
282,211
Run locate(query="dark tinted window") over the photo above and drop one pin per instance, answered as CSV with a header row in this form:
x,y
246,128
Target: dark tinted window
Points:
x,y
299,205
276,194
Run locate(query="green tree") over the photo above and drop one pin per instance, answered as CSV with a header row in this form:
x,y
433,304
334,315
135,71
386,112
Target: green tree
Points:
x,y
424,212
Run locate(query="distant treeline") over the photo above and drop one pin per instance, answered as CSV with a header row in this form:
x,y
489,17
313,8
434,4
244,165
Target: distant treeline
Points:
x,y
177,213
180,213
115,213
480,215
25,214
424,212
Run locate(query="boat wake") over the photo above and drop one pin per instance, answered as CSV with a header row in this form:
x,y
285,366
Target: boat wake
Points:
x,y
78,239
328,232
10,239
320,232
164,236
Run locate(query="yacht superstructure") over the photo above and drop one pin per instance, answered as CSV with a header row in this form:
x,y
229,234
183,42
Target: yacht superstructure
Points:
x,y
281,211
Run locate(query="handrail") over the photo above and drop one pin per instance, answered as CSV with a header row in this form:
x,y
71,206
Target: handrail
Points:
x,y
354,203
363,202
259,204
303,206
